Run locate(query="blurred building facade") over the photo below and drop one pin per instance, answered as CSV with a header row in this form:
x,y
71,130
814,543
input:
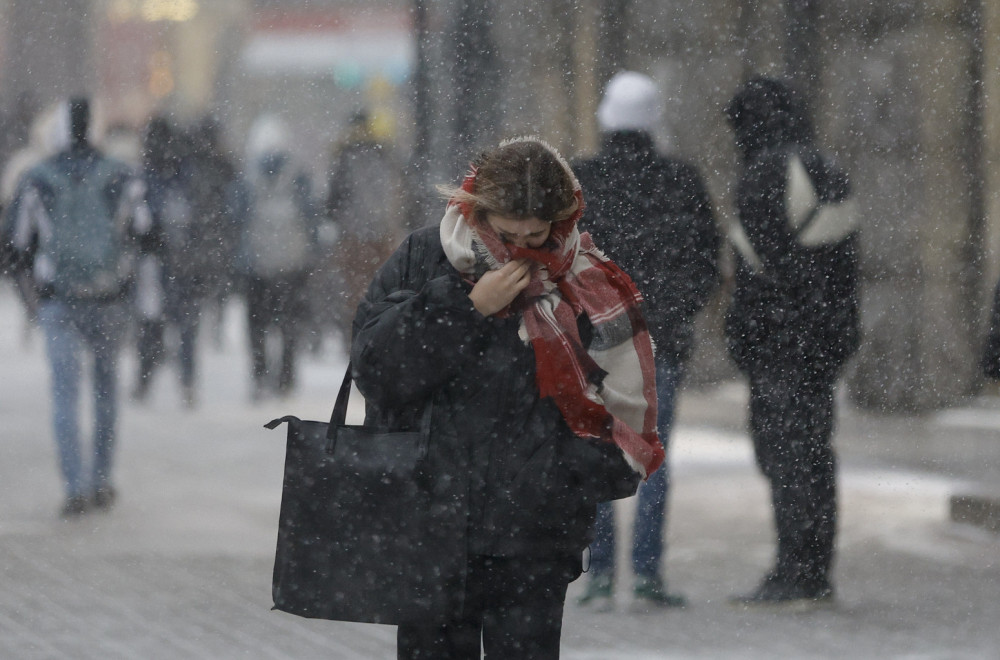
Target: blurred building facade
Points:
x,y
314,62
901,90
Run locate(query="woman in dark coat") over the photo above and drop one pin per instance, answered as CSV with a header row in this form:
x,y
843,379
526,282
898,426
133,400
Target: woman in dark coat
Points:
x,y
791,326
531,346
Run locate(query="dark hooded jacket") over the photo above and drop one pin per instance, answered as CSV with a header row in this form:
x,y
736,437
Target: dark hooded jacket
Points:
x,y
800,305
652,216
502,459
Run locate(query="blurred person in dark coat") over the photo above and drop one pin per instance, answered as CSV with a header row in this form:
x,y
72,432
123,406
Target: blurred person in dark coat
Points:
x,y
364,202
213,173
792,324
652,216
272,204
177,272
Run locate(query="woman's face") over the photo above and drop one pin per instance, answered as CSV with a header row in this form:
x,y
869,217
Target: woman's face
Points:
x,y
522,232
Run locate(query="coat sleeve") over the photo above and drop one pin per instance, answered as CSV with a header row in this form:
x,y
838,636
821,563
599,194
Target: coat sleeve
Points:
x,y
693,242
415,330
761,207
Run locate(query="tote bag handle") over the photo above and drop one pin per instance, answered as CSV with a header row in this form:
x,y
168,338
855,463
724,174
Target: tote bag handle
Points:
x,y
339,415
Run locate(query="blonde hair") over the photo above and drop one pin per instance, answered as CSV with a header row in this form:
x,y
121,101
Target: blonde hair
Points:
x,y
521,178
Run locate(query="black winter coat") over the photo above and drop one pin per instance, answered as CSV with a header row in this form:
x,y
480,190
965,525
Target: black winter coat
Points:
x,y
653,217
800,308
501,454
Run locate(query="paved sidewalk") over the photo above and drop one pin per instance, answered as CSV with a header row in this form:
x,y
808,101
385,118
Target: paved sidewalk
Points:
x,y
181,567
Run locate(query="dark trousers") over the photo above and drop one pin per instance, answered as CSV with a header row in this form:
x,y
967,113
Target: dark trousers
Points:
x,y
275,304
183,314
791,425
149,342
514,606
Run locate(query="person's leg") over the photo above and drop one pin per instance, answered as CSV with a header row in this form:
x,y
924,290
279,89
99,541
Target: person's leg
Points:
x,y
523,608
105,327
290,312
458,640
62,344
600,583
787,449
818,484
770,403
802,479
188,322
258,318
647,547
149,345
651,512
602,549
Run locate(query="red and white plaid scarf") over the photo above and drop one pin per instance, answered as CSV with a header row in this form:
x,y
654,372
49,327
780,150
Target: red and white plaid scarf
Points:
x,y
607,391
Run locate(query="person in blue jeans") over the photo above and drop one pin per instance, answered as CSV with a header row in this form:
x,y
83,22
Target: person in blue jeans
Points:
x,y
72,331
652,215
76,224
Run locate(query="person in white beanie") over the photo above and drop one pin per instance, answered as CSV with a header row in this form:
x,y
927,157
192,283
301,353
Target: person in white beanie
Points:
x,y
652,215
272,204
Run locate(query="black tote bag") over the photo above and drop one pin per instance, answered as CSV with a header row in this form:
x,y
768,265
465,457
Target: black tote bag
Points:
x,y
360,535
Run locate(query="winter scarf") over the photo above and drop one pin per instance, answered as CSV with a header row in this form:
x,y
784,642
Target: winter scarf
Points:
x,y
607,391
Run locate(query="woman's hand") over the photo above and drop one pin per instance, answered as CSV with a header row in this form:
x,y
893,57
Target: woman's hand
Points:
x,y
498,288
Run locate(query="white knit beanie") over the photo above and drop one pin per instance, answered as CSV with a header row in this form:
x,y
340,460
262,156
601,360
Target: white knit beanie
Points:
x,y
631,102
268,135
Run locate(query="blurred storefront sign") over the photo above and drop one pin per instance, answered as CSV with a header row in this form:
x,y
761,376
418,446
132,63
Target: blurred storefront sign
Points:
x,y
318,66
152,10
350,48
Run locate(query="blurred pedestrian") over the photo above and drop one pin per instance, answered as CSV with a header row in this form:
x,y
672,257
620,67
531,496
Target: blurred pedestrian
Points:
x,y
176,272
79,216
653,217
364,202
48,135
792,324
273,207
531,346
212,174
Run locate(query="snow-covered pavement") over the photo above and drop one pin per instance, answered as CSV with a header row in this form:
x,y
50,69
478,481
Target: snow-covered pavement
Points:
x,y
180,568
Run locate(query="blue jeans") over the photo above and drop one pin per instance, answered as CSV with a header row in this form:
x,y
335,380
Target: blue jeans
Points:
x,y
650,520
71,331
